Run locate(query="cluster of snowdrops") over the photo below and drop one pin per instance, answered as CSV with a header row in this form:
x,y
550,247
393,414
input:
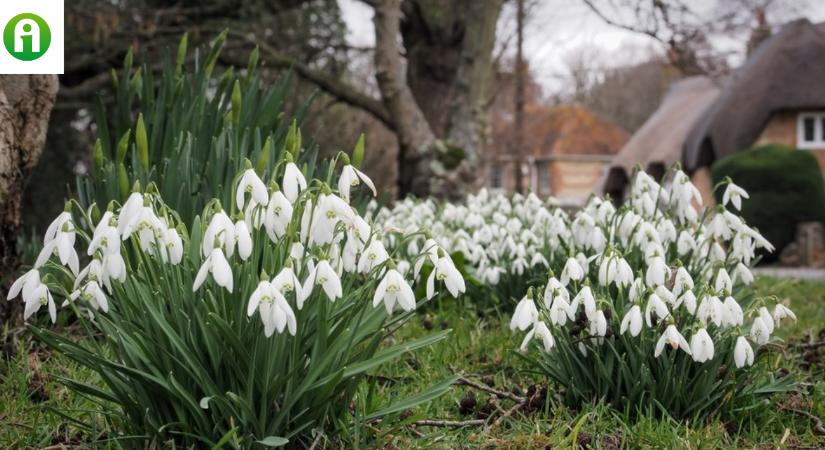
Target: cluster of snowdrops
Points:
x,y
619,287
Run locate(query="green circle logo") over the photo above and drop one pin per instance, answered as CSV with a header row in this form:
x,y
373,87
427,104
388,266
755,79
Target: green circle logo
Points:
x,y
27,36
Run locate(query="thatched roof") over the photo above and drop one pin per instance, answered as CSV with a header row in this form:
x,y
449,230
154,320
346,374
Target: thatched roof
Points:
x,y
786,72
659,142
570,129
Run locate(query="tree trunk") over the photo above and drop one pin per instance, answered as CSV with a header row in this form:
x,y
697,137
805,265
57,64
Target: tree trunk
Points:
x,y
449,69
26,102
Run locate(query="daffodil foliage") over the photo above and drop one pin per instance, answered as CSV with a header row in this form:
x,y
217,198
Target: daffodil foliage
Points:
x,y
253,323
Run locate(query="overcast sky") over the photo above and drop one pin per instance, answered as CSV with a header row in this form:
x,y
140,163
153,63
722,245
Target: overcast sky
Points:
x,y
558,27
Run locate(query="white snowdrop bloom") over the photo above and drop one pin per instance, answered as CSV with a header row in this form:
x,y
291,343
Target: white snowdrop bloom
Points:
x,y
742,353
717,253
759,331
172,247
682,281
598,325
349,255
554,289
287,281
219,233
711,309
560,311
734,194
105,238
275,312
539,329
61,224
351,177
293,182
632,321
278,215
254,214
59,240
723,282
518,266
251,183
665,294
93,294
525,314
656,306
627,224
719,228
219,267
446,271
674,339
637,289
38,297
94,271
539,260
780,312
614,269
324,275
735,315
27,284
743,274
688,299
685,243
586,299
657,272
392,290
129,214
767,318
667,231
243,239
373,256
572,271
114,268
701,346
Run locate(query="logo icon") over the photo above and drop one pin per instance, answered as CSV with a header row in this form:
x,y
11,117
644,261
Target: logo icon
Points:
x,y
27,37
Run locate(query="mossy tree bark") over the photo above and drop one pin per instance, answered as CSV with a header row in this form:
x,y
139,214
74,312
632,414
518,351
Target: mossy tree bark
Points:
x,y
26,102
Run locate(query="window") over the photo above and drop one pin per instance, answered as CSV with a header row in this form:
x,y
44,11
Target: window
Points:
x,y
496,177
543,169
810,131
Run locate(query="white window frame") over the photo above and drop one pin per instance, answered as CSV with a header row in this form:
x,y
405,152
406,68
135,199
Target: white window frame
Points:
x,y
819,131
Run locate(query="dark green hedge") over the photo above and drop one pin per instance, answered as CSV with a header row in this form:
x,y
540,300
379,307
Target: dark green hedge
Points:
x,y
785,187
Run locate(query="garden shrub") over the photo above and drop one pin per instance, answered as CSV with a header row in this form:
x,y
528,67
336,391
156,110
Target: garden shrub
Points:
x,y
785,187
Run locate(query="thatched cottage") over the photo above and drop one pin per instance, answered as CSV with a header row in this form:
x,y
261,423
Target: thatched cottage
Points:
x,y
777,96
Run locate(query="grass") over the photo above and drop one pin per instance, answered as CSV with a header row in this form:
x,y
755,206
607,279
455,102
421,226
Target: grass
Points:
x,y
483,350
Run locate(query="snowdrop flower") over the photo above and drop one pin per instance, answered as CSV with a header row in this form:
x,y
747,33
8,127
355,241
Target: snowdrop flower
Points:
x,y
723,282
129,214
105,237
742,353
525,314
446,271
92,293
598,325
655,305
701,346
287,281
572,271
734,194
657,271
351,177
172,251
539,329
767,318
373,256
293,182
780,312
712,308
324,275
671,337
251,183
38,297
759,331
632,321
682,282
218,266
560,311
276,314
743,274
244,240
27,284
394,289
735,316
278,215
689,300
219,233
685,243
59,240
585,298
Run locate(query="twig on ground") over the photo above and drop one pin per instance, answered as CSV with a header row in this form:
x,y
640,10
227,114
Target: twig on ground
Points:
x,y
510,412
491,390
812,345
449,423
816,422
317,440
